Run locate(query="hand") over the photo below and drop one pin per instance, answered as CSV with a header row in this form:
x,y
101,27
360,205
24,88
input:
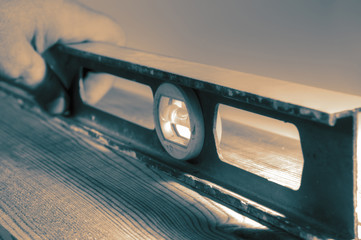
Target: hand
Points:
x,y
29,28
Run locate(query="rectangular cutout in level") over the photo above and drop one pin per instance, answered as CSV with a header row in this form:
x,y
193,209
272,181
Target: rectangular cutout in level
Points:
x,y
120,97
261,145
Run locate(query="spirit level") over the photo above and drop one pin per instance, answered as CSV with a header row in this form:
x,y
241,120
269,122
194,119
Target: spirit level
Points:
x,y
179,121
187,97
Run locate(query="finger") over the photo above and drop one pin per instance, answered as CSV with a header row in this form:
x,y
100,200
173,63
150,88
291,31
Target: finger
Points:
x,y
95,86
20,63
51,94
24,66
43,83
80,23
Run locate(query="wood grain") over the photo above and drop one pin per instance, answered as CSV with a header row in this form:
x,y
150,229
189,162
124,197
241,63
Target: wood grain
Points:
x,y
274,157
56,184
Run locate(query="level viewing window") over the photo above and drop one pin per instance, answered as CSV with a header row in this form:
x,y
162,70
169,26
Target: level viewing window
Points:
x,y
261,145
120,97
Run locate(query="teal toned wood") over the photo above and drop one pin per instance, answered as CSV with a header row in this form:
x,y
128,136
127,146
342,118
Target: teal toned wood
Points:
x,y
58,184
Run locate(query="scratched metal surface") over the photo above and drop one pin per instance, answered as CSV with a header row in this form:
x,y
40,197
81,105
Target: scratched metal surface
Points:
x,y
291,98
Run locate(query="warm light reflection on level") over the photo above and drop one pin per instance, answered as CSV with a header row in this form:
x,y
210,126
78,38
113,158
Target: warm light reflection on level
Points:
x,y
174,120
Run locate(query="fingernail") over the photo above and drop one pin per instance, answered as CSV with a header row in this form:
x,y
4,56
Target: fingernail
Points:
x,y
58,106
51,95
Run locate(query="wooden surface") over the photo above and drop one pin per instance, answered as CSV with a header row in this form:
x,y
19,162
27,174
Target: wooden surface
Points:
x,y
58,184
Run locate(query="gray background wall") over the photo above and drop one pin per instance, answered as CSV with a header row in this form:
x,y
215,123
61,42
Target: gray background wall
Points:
x,y
314,42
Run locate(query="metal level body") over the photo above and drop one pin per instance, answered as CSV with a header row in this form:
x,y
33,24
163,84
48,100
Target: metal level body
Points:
x,y
325,204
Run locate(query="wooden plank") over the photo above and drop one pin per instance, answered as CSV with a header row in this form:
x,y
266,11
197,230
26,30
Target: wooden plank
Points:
x,y
333,103
57,184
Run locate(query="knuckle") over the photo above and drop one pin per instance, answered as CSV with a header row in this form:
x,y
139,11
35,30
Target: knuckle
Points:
x,y
11,71
15,64
25,68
